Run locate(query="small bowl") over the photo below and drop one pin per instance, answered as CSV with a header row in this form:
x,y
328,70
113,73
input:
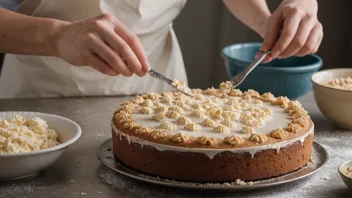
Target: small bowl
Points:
x,y
21,165
342,168
286,77
335,104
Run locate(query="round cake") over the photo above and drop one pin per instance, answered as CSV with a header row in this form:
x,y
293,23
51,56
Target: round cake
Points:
x,y
216,135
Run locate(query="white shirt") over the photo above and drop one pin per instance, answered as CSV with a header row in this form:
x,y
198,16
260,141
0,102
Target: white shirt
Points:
x,y
40,76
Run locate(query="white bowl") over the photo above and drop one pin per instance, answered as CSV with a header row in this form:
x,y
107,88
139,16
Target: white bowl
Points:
x,y
342,168
335,104
16,166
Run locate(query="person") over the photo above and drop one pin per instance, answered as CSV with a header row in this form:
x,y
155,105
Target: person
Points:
x,y
50,43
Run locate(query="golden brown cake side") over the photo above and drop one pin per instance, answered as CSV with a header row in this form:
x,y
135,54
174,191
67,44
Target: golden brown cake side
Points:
x,y
225,166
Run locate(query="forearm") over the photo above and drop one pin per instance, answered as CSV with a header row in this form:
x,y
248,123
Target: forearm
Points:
x,y
21,34
253,13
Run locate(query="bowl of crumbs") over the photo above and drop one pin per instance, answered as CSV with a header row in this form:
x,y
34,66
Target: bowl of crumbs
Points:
x,y
333,94
31,141
345,170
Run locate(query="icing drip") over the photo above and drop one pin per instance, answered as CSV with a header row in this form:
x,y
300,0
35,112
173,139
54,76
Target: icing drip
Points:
x,y
212,152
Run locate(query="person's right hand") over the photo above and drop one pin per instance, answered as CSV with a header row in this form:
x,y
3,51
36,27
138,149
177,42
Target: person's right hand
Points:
x,y
102,43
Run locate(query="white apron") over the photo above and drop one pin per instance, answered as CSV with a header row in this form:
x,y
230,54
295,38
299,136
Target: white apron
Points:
x,y
26,76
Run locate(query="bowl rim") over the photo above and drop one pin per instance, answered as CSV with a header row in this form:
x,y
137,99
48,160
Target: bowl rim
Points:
x,y
340,167
327,87
312,66
51,149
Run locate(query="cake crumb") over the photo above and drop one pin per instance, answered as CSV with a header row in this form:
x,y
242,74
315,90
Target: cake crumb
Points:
x,y
83,193
228,184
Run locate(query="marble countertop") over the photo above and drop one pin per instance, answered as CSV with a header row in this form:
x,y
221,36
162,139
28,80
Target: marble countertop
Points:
x,y
78,173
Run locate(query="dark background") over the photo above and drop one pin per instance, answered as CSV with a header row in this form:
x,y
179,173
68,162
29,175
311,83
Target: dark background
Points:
x,y
204,27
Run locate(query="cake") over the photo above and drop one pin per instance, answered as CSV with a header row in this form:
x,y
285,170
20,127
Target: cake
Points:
x,y
216,135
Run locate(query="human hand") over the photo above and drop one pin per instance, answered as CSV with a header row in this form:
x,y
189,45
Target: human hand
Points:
x,y
103,43
301,34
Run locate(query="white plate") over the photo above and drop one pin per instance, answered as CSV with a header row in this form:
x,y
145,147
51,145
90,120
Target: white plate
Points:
x,y
16,166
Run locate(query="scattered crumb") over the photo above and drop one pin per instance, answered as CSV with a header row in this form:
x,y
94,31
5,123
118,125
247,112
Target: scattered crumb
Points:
x,y
235,183
83,193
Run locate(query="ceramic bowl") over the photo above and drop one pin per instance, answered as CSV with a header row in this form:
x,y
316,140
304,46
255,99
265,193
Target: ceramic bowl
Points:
x,y
335,104
342,168
286,77
21,165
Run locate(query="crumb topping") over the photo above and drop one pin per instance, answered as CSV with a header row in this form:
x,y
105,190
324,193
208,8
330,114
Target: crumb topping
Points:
x,y
180,137
221,129
19,135
268,97
158,134
204,140
146,110
294,128
228,123
197,114
233,140
247,130
208,123
341,83
167,125
159,116
143,130
259,138
161,109
182,120
147,103
233,115
130,125
172,114
193,127
176,108
278,133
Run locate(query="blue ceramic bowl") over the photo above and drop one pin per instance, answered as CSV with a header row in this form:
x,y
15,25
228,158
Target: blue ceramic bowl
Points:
x,y
286,77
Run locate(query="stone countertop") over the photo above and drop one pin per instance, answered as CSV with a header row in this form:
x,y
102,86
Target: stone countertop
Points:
x,y
78,173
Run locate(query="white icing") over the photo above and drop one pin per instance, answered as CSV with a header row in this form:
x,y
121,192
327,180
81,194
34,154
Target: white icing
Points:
x,y
278,119
212,152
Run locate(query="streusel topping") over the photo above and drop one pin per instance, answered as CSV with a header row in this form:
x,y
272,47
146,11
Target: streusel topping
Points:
x,y
180,137
259,138
213,115
279,133
193,127
233,140
159,134
19,135
167,125
341,83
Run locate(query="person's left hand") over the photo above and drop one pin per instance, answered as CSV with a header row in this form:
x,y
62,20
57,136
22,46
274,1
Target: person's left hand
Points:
x,y
301,34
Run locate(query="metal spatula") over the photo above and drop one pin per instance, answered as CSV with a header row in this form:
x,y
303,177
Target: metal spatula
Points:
x,y
155,74
238,79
